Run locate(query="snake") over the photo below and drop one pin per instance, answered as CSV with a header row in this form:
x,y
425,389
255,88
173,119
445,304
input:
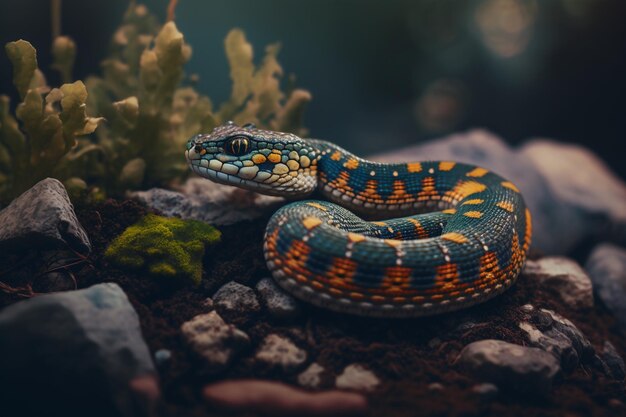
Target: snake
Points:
x,y
373,239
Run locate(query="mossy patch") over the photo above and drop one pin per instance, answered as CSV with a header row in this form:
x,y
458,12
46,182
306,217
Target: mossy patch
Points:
x,y
165,247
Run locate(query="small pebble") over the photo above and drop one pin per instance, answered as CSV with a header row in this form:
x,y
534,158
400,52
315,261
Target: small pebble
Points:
x,y
312,376
356,377
162,356
234,299
436,386
486,390
280,351
279,304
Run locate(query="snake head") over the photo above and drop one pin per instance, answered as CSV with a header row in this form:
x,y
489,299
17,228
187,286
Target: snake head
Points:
x,y
268,162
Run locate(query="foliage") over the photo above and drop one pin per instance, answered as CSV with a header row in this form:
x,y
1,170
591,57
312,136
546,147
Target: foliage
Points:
x,y
51,120
150,107
165,247
151,114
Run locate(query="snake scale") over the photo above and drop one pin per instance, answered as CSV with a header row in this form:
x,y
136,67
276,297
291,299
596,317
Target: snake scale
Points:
x,y
452,235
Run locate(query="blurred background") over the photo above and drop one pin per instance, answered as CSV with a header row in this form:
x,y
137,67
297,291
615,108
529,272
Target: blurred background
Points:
x,y
386,74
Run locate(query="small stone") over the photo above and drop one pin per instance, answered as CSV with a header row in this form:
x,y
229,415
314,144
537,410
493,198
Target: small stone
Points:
x,y
213,339
512,367
356,377
207,201
565,277
279,304
612,362
607,268
312,376
42,217
280,351
73,342
234,299
435,386
486,390
274,398
559,337
162,356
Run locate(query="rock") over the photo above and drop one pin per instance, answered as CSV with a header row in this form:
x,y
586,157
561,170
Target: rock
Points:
x,y
42,217
559,336
565,277
482,148
612,362
280,351
214,340
607,268
356,377
594,197
312,376
436,386
279,304
486,391
273,398
85,345
511,367
234,299
162,356
216,204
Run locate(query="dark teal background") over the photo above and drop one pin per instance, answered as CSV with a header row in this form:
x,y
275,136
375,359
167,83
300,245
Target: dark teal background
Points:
x,y
369,63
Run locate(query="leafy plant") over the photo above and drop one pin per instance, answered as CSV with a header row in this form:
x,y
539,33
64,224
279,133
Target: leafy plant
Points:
x,y
51,120
165,247
151,114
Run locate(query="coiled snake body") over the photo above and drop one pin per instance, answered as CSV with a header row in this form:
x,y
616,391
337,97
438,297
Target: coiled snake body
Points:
x,y
455,235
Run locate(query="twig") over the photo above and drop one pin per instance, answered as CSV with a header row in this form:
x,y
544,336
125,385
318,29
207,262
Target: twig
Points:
x,y
171,8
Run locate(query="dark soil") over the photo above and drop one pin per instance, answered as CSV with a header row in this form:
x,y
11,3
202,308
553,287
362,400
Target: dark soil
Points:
x,y
407,355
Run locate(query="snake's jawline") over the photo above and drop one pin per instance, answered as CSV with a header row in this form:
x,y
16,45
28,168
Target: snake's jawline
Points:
x,y
406,311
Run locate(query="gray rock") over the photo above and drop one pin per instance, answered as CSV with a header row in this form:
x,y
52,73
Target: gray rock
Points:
x,y
42,217
612,362
356,377
594,198
214,340
565,277
559,337
162,356
607,268
511,367
234,299
311,377
85,345
281,352
279,304
201,199
482,148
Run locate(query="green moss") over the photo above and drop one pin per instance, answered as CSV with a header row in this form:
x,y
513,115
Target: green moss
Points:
x,y
165,247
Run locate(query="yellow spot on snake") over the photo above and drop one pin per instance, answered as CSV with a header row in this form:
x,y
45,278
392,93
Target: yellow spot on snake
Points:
x,y
506,205
510,186
336,156
317,206
355,237
473,214
351,164
380,223
311,222
414,167
477,172
259,158
393,243
274,157
305,161
280,168
473,202
454,237
446,165
449,211
293,165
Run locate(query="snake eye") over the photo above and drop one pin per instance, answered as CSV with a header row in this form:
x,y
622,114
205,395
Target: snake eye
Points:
x,y
239,145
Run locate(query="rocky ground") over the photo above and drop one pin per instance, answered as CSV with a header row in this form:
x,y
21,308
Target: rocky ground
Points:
x,y
110,341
